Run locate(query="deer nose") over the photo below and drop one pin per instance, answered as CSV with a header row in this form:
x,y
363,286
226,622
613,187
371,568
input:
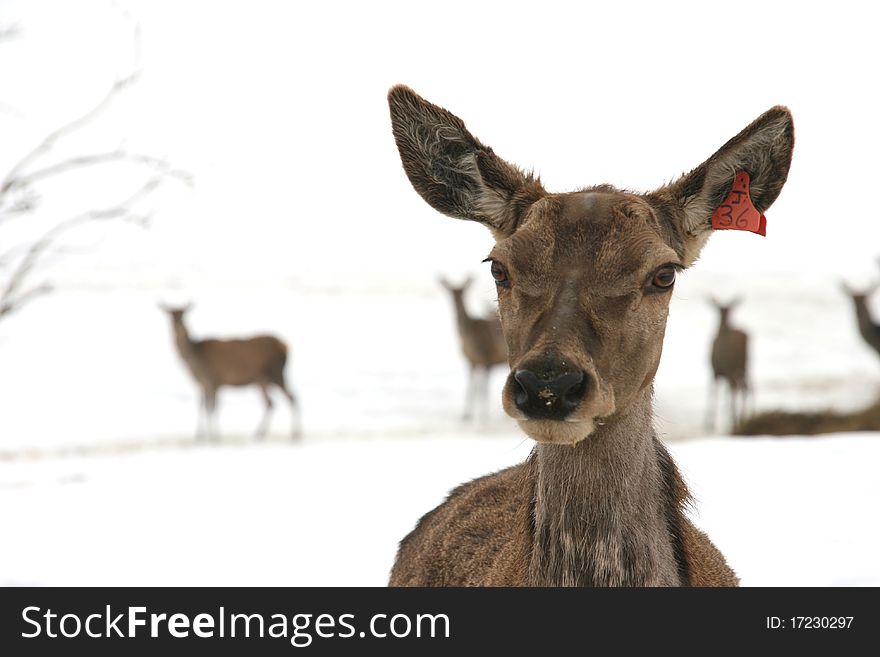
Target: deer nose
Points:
x,y
550,398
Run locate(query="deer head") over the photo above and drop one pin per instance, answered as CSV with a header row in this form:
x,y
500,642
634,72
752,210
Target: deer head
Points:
x,y
175,312
724,309
456,290
584,278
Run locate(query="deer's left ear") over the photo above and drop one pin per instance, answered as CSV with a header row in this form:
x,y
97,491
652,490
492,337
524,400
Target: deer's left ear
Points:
x,y
763,150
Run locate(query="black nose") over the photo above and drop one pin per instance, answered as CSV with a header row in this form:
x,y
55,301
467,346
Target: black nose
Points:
x,y
548,398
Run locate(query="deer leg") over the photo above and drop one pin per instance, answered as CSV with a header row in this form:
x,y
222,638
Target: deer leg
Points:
x,y
485,395
735,406
267,414
210,408
296,416
743,393
748,399
202,411
734,393
469,395
710,407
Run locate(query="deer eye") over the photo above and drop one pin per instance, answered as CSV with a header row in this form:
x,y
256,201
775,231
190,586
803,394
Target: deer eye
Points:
x,y
664,278
499,273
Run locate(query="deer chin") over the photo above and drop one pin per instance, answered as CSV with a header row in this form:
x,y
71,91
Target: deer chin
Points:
x,y
558,432
573,429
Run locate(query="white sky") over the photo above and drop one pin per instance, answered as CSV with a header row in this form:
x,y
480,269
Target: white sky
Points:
x,y
279,110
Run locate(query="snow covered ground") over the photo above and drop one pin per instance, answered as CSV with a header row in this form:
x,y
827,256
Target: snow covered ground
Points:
x,y
330,513
101,481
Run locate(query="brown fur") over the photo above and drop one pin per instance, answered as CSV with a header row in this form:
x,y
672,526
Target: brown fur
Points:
x,y
729,360
492,540
213,363
482,344
599,502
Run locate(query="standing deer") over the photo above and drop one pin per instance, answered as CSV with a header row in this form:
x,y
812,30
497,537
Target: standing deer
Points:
x,y
584,281
482,344
869,331
729,360
213,363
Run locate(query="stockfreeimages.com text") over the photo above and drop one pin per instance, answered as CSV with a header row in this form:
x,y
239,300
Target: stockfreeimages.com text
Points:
x,y
300,629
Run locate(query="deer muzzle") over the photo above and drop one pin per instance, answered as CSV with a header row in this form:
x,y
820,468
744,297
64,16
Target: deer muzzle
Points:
x,y
549,398
555,402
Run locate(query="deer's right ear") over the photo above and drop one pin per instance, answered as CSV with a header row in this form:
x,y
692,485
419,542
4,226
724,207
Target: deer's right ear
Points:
x,y
455,173
763,150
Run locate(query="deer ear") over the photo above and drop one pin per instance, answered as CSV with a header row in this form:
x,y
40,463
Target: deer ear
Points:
x,y
763,150
455,173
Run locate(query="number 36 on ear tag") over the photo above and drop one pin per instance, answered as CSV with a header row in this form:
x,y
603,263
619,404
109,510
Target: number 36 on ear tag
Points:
x,y
737,211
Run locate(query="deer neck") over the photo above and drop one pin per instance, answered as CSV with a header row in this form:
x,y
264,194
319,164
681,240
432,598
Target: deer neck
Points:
x,y
182,340
461,314
866,324
602,508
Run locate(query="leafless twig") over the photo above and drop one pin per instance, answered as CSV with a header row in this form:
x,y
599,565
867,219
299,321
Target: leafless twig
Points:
x,y
17,171
15,292
19,191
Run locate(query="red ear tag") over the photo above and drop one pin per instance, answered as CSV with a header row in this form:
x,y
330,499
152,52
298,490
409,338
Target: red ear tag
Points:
x,y
737,211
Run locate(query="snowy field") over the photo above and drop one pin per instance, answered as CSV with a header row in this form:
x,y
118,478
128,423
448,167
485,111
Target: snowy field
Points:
x,y
793,512
102,482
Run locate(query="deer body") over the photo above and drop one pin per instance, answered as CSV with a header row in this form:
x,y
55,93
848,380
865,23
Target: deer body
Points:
x,y
613,522
584,281
729,360
214,363
483,346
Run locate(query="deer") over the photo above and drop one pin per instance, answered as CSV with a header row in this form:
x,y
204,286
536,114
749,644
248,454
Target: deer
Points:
x,y
584,281
213,363
869,330
482,344
729,361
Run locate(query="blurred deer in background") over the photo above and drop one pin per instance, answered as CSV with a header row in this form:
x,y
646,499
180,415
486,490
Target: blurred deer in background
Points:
x,y
869,331
482,344
729,359
213,363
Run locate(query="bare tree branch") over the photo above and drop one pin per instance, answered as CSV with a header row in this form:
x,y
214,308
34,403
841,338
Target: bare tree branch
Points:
x,y
90,160
13,291
19,191
49,142
9,307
